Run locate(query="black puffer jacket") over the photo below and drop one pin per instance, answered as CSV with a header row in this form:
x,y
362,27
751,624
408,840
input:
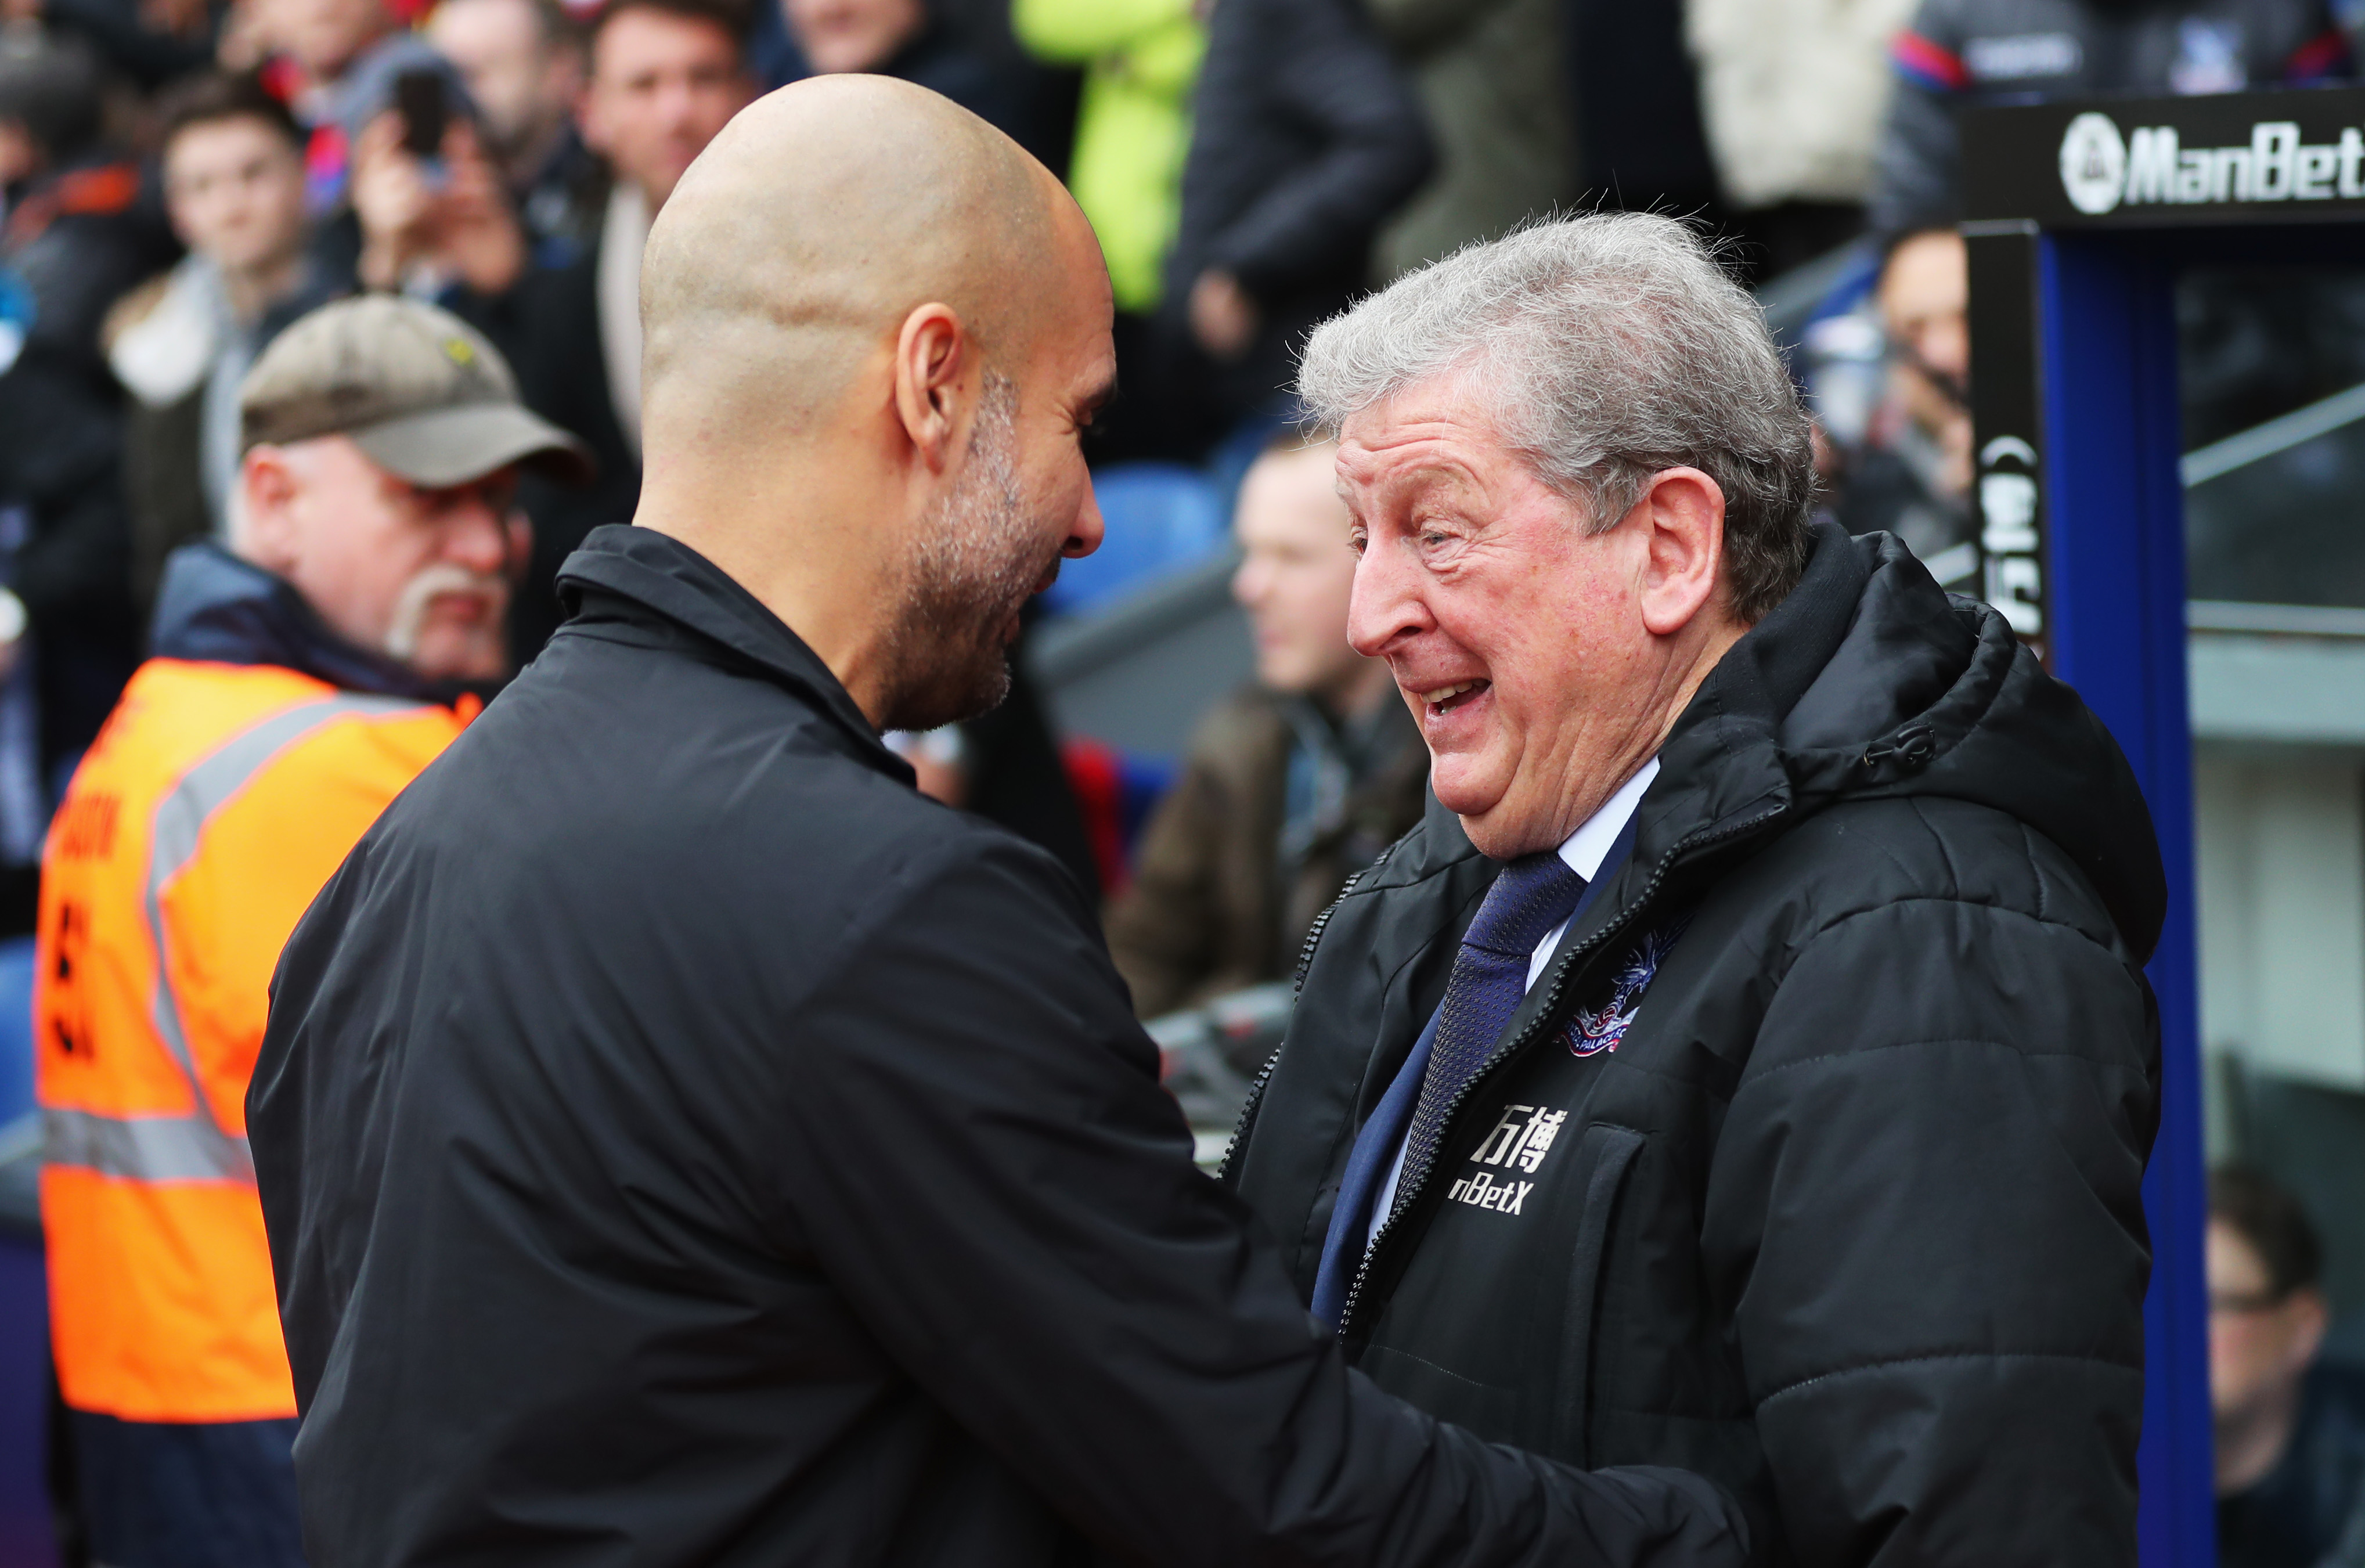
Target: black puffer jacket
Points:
x,y
1841,1209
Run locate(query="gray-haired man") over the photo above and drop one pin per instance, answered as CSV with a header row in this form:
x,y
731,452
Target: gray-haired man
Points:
x,y
1750,1068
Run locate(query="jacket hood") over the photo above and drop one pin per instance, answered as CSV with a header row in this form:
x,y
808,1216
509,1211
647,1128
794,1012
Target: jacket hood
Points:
x,y
211,606
1870,681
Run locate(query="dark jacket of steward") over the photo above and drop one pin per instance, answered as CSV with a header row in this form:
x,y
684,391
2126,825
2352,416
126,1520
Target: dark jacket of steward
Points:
x,y
1842,1208
683,1143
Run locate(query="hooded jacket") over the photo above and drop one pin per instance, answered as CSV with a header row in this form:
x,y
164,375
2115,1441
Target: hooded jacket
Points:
x,y
1812,1161
682,1142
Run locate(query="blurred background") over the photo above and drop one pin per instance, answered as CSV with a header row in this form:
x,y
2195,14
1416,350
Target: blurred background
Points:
x,y
180,179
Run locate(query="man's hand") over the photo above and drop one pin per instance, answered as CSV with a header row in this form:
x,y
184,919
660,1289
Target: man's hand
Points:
x,y
395,202
1223,318
461,225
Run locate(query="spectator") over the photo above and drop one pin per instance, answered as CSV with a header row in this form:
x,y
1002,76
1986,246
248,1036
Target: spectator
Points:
x,y
73,240
150,42
337,61
524,70
1967,52
1792,93
1489,76
1133,130
903,39
75,236
233,165
433,228
1292,786
1641,143
666,76
1306,140
300,684
1913,479
2290,1426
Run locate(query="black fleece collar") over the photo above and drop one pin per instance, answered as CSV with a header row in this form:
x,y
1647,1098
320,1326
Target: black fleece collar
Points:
x,y
662,573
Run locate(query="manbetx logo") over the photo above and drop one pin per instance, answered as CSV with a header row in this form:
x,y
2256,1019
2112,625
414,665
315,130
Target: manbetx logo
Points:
x,y
2100,169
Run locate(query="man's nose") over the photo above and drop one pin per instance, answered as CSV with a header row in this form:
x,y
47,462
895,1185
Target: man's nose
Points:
x,y
477,536
1090,527
1386,604
1248,584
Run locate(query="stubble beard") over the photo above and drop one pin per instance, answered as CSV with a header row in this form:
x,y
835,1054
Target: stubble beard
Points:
x,y
978,558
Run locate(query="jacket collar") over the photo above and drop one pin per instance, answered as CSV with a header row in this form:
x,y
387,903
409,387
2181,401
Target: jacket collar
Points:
x,y
662,573
215,607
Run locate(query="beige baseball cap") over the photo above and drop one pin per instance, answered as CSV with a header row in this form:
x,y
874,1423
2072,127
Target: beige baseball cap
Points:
x,y
418,389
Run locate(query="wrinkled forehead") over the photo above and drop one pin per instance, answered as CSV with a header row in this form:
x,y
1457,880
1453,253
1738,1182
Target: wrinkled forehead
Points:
x,y
1440,427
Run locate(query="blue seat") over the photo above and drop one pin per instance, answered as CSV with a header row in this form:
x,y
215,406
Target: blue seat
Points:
x,y
1162,518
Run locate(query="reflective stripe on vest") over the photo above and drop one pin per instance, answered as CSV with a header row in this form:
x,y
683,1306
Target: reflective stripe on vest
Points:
x,y
192,1147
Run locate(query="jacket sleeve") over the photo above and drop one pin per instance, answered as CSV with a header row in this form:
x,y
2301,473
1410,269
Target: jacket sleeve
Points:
x,y
1926,1218
1414,27
1333,74
982,1163
1077,32
1917,165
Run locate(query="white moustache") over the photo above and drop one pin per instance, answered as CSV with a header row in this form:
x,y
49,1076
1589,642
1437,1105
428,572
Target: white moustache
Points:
x,y
422,592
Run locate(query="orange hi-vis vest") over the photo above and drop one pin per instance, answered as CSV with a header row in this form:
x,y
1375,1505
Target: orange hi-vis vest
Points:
x,y
211,808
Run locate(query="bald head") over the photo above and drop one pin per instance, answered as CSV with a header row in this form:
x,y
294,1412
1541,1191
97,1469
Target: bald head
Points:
x,y
874,330
799,241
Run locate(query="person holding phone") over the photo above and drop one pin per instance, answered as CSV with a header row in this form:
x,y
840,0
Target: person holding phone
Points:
x,y
434,208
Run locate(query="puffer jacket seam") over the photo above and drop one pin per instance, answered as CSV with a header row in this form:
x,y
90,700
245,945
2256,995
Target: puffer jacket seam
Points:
x,y
1954,1040
1937,842
2035,867
1884,905
1888,1363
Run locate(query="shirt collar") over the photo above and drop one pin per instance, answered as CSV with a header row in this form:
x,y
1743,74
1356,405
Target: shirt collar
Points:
x,y
1585,848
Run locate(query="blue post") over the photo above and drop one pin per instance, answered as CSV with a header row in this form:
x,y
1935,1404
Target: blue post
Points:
x,y
2116,579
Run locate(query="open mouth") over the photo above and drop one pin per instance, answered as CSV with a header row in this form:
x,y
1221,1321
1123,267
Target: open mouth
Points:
x,y
1444,700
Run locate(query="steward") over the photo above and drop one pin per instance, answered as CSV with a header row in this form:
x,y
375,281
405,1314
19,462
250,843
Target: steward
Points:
x,y
299,683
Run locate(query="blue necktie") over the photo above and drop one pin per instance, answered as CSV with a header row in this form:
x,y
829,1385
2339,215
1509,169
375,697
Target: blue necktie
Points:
x,y
1530,896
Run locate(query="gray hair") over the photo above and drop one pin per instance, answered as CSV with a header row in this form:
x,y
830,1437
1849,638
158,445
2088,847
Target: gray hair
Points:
x,y
1609,348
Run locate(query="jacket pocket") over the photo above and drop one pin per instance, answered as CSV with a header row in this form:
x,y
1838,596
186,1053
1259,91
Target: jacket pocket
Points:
x,y
1605,1154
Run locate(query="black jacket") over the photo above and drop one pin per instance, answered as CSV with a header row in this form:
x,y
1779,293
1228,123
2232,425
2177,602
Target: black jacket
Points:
x,y
1844,1209
1304,139
681,1142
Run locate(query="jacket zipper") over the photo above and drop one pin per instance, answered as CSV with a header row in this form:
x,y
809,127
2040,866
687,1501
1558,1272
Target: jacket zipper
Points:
x,y
1305,961
1559,982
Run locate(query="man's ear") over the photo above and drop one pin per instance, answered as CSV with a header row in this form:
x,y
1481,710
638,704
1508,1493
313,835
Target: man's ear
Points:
x,y
264,528
935,381
1682,515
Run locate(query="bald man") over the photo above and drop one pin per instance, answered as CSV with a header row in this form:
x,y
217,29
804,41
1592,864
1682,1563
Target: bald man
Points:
x,y
682,1141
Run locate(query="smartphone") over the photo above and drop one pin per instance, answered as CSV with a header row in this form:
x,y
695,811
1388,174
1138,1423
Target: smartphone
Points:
x,y
424,99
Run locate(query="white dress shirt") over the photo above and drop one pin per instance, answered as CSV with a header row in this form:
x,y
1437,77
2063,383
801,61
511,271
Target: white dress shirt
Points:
x,y
1584,850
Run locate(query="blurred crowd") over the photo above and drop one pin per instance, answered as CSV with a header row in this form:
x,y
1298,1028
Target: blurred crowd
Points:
x,y
181,179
